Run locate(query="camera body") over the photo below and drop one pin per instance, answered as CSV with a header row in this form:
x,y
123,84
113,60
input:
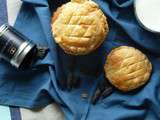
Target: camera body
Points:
x,y
16,48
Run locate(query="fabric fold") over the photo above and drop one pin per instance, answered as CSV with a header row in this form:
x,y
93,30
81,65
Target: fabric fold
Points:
x,y
39,86
36,2
122,3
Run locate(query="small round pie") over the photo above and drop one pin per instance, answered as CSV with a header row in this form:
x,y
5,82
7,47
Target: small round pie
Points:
x,y
79,27
127,68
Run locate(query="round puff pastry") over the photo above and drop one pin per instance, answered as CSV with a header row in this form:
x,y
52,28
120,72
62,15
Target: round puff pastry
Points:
x,y
127,68
79,27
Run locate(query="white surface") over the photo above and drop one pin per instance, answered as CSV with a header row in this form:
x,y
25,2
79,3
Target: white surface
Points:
x,y
50,112
13,7
148,12
4,113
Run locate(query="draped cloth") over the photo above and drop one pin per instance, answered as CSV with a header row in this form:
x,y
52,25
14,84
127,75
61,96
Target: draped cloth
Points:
x,y
38,86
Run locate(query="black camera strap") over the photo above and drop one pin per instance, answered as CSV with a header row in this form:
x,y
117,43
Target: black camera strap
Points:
x,y
42,51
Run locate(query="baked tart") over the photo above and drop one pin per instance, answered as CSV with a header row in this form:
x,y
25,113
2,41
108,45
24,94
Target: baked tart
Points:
x,y
127,68
79,27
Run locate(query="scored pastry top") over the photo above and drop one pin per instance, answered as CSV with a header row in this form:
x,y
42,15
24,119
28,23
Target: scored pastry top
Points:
x,y
79,26
127,68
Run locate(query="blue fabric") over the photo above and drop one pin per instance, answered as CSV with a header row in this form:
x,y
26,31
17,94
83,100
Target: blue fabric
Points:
x,y
3,12
39,85
15,113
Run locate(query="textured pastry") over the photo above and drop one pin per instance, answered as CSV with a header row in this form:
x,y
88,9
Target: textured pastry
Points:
x,y
127,68
79,27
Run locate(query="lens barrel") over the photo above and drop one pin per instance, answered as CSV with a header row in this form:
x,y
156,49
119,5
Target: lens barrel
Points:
x,y
16,48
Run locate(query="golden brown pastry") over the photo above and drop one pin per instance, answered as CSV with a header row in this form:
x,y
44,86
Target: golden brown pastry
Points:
x,y
127,68
79,27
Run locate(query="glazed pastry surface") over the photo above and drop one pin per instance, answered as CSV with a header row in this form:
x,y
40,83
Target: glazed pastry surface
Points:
x,y
127,68
79,27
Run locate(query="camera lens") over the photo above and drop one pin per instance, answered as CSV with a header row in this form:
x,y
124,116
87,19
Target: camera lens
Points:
x,y
15,47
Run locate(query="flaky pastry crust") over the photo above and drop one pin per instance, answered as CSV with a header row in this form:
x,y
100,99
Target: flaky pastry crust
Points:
x,y
127,68
79,27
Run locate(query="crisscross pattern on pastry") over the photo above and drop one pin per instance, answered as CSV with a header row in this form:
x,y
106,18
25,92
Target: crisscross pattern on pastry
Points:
x,y
127,68
79,26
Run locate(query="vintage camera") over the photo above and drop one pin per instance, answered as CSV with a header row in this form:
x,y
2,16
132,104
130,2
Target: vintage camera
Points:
x,y
17,49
